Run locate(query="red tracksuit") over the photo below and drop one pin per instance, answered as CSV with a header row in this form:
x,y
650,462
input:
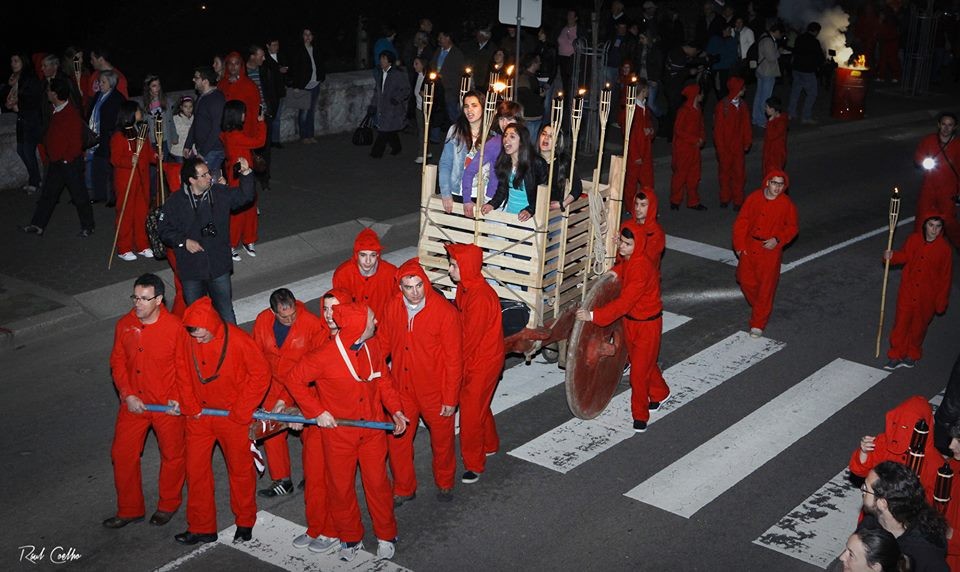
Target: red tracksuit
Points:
x,y
483,353
758,270
244,224
640,156
924,291
307,332
889,37
427,366
732,136
241,381
688,137
374,291
133,229
894,443
242,89
642,311
940,184
775,144
343,395
143,363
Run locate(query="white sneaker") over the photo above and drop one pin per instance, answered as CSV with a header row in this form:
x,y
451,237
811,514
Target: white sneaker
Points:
x,y
128,256
324,544
348,553
251,249
29,189
146,253
235,255
755,332
386,549
302,541
419,160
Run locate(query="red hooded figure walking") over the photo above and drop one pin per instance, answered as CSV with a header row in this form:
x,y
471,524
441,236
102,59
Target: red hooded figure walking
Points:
x,y
732,137
938,154
352,382
422,334
927,262
640,155
483,353
689,136
767,223
222,368
775,136
367,277
644,224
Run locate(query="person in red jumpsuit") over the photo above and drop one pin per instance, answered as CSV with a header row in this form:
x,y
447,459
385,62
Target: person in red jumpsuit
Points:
x,y
352,382
688,139
893,444
938,154
285,332
422,334
767,223
147,343
732,137
775,136
640,156
483,353
236,85
222,368
132,229
640,307
369,279
888,37
927,262
240,137
645,225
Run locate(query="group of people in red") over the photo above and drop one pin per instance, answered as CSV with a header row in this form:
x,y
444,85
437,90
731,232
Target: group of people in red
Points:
x,y
443,357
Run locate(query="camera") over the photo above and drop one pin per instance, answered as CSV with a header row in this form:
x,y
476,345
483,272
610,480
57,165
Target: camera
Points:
x,y
209,230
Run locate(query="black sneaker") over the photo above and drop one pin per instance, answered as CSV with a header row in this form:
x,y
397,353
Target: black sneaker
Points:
x,y
85,233
639,426
700,207
279,488
907,362
892,364
469,477
243,534
445,495
32,229
654,406
399,500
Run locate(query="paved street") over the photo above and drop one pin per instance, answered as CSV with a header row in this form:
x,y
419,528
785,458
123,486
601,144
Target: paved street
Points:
x,y
733,474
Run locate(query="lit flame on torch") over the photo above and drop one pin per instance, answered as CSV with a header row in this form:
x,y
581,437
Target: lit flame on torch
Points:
x,y
582,91
499,86
433,76
510,70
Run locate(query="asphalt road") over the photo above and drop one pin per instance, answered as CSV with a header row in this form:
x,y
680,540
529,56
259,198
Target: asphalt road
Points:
x,y
56,449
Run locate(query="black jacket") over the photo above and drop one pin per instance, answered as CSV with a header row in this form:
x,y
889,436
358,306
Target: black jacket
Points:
x,y
300,68
535,176
207,116
807,54
108,120
949,411
179,221
271,82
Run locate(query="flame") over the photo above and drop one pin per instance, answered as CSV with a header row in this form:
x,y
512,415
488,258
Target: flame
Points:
x,y
433,76
582,91
499,86
468,70
857,62
510,70
559,95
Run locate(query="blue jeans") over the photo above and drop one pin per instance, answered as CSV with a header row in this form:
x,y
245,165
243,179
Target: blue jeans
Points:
x,y
807,82
305,118
275,124
214,160
533,126
28,137
764,91
654,88
220,291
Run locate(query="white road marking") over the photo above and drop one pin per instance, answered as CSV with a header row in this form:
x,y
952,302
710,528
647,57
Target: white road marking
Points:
x,y
790,266
704,474
272,537
577,441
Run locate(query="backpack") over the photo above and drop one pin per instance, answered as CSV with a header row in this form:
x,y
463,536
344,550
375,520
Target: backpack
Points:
x,y
753,52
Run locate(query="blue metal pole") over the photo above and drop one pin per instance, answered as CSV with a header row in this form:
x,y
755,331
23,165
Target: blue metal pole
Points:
x,y
282,417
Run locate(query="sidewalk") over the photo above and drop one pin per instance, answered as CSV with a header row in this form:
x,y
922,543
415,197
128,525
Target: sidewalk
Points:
x,y
321,196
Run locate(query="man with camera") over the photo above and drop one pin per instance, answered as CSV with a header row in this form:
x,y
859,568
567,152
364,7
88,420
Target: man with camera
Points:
x,y
196,224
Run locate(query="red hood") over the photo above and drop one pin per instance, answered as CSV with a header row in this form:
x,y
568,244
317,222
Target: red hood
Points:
x,y
366,240
776,173
690,92
927,215
734,85
412,268
343,296
901,420
201,314
470,258
352,319
651,220
243,65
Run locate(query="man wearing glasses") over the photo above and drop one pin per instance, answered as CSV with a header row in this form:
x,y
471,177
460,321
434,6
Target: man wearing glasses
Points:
x,y
767,223
196,224
148,343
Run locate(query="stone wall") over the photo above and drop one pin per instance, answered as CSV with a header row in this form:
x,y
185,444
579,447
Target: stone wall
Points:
x,y
341,105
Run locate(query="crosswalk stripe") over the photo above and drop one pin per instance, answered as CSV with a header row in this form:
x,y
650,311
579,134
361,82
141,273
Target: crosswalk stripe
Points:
x,y
577,441
702,250
272,538
704,474
817,530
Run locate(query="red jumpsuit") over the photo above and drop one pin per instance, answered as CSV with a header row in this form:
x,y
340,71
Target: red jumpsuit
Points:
x,y
339,392
307,332
640,156
688,137
242,89
133,229
143,363
483,353
889,38
732,137
427,366
238,384
940,184
758,270
374,291
642,311
894,443
775,144
236,144
924,291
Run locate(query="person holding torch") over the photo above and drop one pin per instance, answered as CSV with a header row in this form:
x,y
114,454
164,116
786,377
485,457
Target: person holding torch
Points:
x,y
938,156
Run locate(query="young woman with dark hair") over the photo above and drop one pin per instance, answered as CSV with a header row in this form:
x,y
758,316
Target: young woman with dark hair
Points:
x,y
239,142
519,172
135,203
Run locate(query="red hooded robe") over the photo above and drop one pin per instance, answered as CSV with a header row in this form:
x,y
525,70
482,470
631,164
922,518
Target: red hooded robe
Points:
x,y
732,137
688,137
133,230
640,156
775,143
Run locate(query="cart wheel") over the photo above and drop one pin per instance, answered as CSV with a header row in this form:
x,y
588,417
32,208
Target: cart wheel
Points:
x,y
550,353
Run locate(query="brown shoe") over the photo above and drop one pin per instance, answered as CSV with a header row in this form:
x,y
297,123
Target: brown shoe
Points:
x,y
117,522
160,518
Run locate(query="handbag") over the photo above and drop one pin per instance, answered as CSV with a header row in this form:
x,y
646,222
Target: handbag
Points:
x,y
153,233
363,134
